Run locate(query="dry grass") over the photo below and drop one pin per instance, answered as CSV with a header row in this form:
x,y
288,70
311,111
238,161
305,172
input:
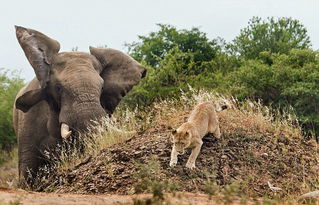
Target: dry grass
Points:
x,y
9,170
101,135
246,118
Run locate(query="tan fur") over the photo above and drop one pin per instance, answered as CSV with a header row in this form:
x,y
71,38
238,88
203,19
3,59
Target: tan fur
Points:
x,y
202,120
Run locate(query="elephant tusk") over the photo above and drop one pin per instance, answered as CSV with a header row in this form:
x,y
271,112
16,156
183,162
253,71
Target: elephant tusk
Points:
x,y
65,131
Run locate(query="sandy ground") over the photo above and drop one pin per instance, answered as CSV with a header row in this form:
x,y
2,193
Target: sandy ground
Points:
x,y
15,197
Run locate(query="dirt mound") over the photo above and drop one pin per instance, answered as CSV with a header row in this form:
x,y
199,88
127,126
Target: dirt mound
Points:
x,y
252,152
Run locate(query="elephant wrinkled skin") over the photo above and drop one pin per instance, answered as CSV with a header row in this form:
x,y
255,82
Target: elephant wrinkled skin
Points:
x,y
70,89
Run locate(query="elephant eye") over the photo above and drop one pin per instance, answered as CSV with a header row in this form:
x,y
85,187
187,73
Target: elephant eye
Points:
x,y
58,88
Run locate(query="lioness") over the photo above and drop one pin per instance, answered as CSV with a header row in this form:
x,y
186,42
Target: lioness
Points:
x,y
202,120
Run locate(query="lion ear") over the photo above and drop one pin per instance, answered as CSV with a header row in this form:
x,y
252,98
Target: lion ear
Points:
x,y
188,134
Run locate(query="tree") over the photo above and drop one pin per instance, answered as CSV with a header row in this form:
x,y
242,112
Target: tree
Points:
x,y
272,35
155,46
291,80
9,87
175,60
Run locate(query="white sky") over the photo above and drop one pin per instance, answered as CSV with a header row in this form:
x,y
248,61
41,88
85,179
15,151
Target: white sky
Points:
x,y
113,22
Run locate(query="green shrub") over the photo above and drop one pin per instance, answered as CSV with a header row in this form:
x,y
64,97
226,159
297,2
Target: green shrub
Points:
x,y
290,80
9,86
275,35
177,71
155,46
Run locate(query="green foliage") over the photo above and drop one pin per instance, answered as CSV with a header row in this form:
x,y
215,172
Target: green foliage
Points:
x,y
153,48
177,59
9,86
272,35
290,80
177,71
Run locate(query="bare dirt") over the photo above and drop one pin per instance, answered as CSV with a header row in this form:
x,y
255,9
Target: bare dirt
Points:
x,y
21,197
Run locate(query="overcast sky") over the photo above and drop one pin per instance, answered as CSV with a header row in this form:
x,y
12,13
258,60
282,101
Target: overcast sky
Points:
x,y
113,22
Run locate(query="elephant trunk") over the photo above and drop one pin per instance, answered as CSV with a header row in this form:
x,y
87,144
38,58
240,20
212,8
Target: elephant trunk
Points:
x,y
87,116
80,109
79,119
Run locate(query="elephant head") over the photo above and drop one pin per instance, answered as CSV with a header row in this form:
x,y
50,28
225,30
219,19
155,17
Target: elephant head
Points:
x,y
77,86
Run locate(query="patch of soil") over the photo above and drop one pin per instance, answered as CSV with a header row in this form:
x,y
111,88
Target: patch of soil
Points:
x,y
248,159
9,196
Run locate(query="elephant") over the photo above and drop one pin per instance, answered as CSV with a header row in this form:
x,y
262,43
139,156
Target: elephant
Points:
x,y
70,90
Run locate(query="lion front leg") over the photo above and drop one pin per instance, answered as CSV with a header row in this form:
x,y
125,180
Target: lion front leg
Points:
x,y
192,158
217,133
174,159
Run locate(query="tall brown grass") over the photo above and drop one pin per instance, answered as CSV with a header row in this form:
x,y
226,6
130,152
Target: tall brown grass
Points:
x,y
100,135
9,169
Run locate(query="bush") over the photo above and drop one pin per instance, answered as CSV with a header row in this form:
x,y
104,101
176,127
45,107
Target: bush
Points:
x,y
9,87
272,35
290,80
154,47
177,59
177,71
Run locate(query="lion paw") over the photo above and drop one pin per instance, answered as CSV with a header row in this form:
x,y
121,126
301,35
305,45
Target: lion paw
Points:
x,y
190,165
172,163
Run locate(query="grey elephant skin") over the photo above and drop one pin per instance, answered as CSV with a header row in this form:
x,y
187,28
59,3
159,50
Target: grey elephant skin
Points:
x,y
70,90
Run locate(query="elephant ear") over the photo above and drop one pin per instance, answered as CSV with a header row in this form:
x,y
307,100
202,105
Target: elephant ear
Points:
x,y
30,98
39,50
120,73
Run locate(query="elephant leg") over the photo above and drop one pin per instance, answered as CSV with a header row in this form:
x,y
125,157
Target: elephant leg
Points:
x,y
32,157
30,160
